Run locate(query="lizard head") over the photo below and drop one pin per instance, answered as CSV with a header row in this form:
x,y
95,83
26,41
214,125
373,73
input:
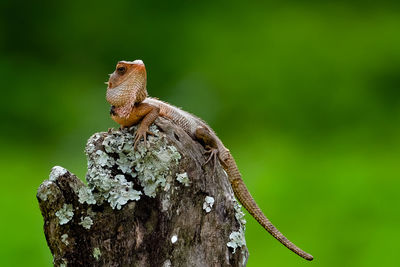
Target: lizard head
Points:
x,y
127,84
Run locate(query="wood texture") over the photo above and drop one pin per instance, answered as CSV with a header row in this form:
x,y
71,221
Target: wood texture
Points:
x,y
170,229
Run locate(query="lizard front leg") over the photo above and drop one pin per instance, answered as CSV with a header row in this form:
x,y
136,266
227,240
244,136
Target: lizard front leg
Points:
x,y
150,115
143,112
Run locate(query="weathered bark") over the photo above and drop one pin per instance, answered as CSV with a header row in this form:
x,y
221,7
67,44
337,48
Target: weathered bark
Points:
x,y
174,223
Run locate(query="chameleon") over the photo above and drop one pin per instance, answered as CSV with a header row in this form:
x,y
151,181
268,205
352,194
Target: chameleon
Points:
x,y
131,105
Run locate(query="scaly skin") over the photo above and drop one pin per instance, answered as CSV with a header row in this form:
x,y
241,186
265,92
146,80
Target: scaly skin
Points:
x,y
127,94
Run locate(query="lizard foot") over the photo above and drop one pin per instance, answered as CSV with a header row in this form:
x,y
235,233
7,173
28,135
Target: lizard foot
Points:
x,y
138,136
213,152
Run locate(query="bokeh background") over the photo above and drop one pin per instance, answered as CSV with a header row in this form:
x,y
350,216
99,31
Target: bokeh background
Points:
x,y
306,95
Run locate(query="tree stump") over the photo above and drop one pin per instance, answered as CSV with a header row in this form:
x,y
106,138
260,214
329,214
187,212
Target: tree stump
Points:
x,y
156,205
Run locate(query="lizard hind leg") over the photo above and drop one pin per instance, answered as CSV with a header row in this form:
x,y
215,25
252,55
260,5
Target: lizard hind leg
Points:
x,y
213,155
206,138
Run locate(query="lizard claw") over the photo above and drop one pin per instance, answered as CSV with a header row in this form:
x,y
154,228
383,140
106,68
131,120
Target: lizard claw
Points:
x,y
213,152
138,136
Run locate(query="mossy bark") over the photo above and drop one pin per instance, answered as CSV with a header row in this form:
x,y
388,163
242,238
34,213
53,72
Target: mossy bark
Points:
x,y
171,229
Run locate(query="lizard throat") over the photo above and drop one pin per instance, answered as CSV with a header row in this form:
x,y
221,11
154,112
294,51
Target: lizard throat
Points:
x,y
126,94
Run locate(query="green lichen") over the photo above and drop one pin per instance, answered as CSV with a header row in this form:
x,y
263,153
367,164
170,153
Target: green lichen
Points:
x,y
115,167
183,178
208,203
65,214
86,222
237,240
96,253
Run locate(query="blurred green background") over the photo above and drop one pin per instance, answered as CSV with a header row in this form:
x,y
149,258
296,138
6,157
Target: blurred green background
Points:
x,y
305,95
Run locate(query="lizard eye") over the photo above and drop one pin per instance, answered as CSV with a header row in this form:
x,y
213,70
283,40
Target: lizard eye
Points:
x,y
121,70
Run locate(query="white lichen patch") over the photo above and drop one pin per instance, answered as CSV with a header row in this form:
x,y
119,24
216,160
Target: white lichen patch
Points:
x,y
183,178
167,263
208,203
244,257
124,164
86,222
103,159
237,240
64,239
65,214
90,148
239,214
122,192
96,253
45,191
174,238
153,168
85,195
116,167
165,203
56,172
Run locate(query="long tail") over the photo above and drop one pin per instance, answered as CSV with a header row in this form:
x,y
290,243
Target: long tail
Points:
x,y
248,202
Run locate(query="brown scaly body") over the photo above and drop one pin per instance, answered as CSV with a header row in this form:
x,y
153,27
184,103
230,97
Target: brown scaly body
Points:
x,y
127,94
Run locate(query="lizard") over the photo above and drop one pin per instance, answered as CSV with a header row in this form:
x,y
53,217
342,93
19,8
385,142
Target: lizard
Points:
x,y
131,105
